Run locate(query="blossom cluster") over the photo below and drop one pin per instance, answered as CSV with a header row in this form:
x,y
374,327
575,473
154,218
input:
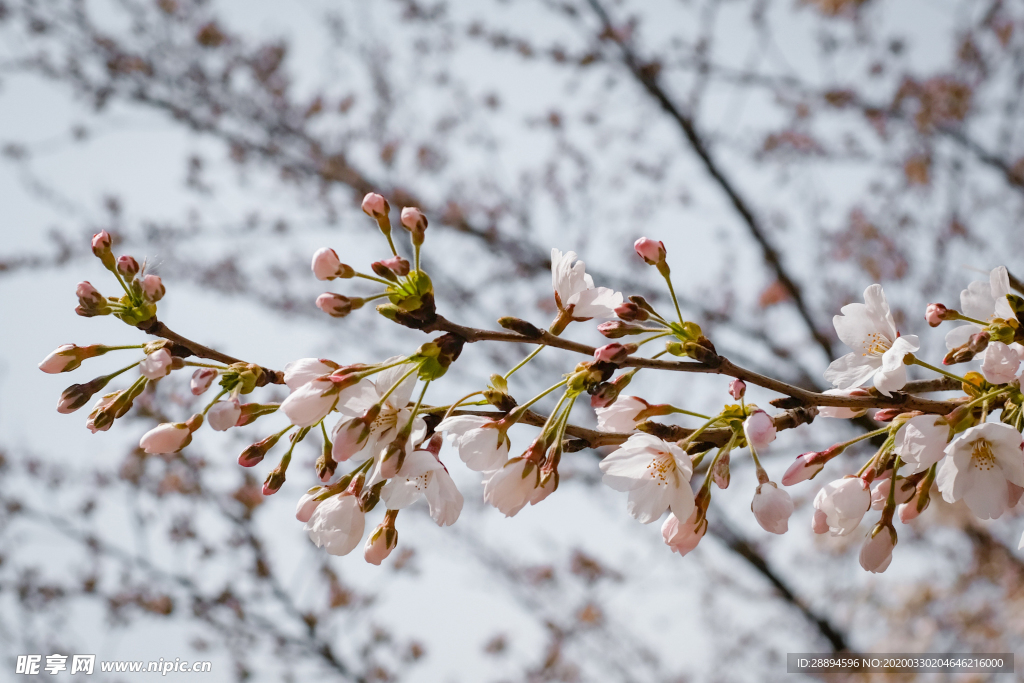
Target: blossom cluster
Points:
x,y
382,440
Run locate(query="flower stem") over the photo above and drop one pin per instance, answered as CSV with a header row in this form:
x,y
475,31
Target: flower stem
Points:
x,y
920,362
458,403
391,389
524,361
672,293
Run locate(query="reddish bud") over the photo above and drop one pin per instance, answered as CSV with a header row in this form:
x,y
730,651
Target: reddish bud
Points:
x,y
651,251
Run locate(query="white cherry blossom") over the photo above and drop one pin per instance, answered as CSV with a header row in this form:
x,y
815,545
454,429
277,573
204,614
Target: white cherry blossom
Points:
x,y
423,475
621,416
337,524
305,370
876,553
979,464
655,473
923,443
394,413
878,350
1001,363
575,291
480,444
513,486
985,301
843,503
843,413
772,508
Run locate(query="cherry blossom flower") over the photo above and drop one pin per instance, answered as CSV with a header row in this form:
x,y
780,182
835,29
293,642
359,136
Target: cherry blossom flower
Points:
x,y
683,537
978,465
803,468
379,544
337,524
772,508
621,416
481,445
152,288
878,350
1001,363
314,400
843,502
876,553
655,473
923,444
224,414
325,264
575,291
985,301
394,411
423,475
305,370
843,413
307,504
157,364
169,437
513,486
759,429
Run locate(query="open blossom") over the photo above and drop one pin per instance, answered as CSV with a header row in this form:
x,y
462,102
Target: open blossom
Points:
x,y
575,291
978,466
759,429
394,411
513,486
480,444
423,475
156,364
923,443
772,508
655,473
985,301
621,416
307,504
843,413
224,415
305,370
682,537
878,350
337,524
876,553
843,502
1001,363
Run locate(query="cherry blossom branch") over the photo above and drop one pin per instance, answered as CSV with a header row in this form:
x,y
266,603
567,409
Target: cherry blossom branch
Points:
x,y
186,347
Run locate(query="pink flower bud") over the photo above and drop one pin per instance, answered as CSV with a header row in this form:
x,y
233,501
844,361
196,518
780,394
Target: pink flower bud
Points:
x,y
651,251
224,415
876,553
614,352
166,438
935,314
202,379
616,329
153,288
156,365
380,543
737,389
63,359
349,438
630,312
805,467
772,508
127,266
908,512
376,206
979,341
336,305
413,220
87,294
759,429
101,242
880,494
326,264
308,503
396,265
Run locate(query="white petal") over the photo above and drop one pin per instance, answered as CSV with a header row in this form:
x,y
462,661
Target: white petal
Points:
x,y
851,370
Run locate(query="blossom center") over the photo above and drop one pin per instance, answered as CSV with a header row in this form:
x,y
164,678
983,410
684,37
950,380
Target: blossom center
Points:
x,y
876,344
659,468
981,455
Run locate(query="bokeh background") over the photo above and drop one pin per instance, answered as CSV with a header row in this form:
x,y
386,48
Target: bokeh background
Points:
x,y
788,153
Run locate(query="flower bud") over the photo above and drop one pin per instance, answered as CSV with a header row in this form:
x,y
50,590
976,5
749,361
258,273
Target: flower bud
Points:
x,y
153,288
876,553
737,389
350,436
772,508
156,365
77,395
935,314
392,268
520,326
759,429
819,522
616,329
414,221
380,543
807,465
325,264
683,537
127,266
375,206
202,379
224,415
649,250
887,414
338,306
979,342
307,503
68,357
89,296
393,459
614,352
630,312
720,471
101,248
274,481
170,437
605,393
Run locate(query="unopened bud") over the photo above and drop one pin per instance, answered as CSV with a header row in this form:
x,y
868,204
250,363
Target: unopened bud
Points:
x,y
77,395
202,379
649,250
393,458
326,264
935,314
375,206
88,295
414,221
616,329
274,481
338,306
720,471
396,265
380,543
614,352
630,312
887,414
127,266
979,342
737,389
101,248
606,393
521,326
254,454
153,288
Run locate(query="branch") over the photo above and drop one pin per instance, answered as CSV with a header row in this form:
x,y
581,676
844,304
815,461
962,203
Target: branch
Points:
x,y
649,80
